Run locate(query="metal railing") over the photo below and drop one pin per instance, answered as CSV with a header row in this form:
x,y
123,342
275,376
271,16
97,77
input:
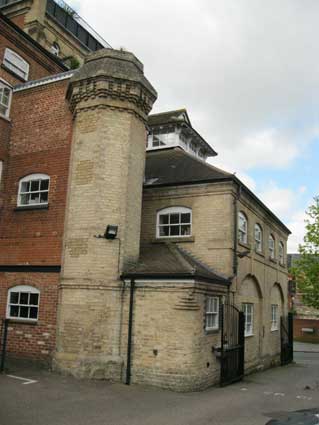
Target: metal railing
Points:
x,y
73,23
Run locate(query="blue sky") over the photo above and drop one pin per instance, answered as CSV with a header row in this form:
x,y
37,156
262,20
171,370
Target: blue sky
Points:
x,y
248,74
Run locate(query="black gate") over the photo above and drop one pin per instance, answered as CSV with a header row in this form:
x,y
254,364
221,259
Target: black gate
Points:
x,y
286,338
3,342
232,354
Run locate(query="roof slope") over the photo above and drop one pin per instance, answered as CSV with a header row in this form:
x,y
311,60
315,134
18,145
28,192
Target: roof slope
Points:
x,y
175,166
169,117
167,260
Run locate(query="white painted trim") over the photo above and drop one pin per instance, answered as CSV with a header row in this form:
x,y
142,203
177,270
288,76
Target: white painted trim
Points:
x,y
43,81
33,177
6,60
174,210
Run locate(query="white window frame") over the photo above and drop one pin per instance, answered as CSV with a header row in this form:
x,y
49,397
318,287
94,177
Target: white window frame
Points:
x,y
248,310
5,85
29,178
170,211
271,246
274,317
281,253
258,238
23,289
15,63
212,314
242,228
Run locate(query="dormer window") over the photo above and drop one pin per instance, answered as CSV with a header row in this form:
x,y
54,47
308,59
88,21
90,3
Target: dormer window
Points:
x,y
16,64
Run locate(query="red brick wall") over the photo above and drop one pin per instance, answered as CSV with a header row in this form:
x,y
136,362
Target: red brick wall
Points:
x,y
40,143
41,65
32,340
300,335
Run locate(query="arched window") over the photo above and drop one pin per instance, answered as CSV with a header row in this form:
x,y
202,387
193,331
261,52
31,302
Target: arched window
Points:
x,y
271,246
281,250
34,190
242,228
258,238
16,64
23,303
174,222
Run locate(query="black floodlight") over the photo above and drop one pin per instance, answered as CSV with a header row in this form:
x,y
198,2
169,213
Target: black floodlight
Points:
x,y
111,231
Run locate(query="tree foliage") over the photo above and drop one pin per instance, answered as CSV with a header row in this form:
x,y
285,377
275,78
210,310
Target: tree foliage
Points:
x,y
306,269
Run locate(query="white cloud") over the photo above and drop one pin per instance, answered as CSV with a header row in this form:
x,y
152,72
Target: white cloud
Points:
x,y
281,200
297,227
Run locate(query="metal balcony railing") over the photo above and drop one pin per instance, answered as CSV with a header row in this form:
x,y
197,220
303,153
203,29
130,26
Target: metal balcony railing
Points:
x,y
73,23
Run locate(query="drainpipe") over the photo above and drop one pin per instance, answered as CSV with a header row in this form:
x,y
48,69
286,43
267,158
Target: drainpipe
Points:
x,y
129,338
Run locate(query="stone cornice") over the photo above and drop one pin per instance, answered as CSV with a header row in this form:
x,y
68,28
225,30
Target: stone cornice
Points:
x,y
101,88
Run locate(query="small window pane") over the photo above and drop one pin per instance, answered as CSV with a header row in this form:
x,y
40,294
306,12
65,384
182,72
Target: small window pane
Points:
x,y
24,298
185,218
44,197
14,311
44,185
185,230
164,219
164,231
25,186
34,299
174,218
24,312
33,312
175,230
14,297
35,184
24,199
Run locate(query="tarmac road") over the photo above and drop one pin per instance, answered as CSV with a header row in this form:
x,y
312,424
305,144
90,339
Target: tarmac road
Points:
x,y
58,400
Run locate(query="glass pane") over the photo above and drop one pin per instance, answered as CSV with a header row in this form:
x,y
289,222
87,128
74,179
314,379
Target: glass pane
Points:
x,y
33,312
44,197
24,199
34,198
163,219
35,185
14,311
174,218
185,218
25,186
186,230
14,297
44,185
174,230
34,299
164,231
24,312
24,298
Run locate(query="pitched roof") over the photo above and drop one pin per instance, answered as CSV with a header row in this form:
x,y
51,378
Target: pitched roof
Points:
x,y
168,260
168,117
175,166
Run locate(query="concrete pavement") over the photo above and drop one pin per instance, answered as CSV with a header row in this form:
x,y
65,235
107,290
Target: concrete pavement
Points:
x,y
58,400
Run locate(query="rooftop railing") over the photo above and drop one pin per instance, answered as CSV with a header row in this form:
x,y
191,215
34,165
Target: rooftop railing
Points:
x,y
72,22
62,13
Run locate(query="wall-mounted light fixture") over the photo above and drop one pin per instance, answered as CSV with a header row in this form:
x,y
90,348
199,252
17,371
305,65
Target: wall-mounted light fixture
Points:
x,y
111,231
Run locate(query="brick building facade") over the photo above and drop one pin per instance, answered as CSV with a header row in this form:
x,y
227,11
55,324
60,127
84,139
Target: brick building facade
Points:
x,y
138,302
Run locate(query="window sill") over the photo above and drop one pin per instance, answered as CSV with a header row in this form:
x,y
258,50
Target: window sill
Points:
x,y
274,330
5,118
23,321
260,253
273,260
176,239
32,207
283,265
211,331
249,336
244,245
23,80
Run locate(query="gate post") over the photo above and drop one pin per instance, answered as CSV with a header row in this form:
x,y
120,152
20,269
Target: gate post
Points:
x,y
4,344
291,335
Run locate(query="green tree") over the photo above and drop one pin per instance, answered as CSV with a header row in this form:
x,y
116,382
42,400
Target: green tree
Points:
x,y
306,269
